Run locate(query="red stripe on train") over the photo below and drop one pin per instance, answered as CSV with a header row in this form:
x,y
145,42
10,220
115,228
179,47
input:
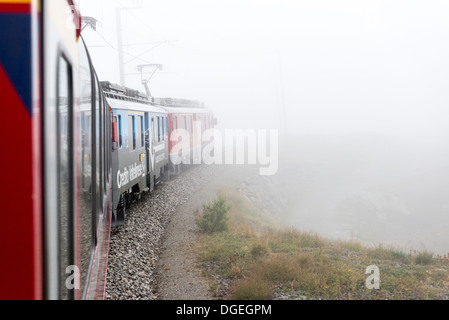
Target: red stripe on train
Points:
x,y
20,249
15,8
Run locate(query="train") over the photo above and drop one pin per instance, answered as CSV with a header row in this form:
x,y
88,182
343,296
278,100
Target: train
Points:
x,y
142,152
77,152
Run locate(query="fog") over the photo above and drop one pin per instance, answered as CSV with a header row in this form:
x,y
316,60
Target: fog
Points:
x,y
357,89
369,188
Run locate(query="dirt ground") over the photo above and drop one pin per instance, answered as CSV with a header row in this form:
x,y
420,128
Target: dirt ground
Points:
x,y
177,274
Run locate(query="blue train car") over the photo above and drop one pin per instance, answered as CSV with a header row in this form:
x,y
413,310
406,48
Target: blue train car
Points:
x,y
140,146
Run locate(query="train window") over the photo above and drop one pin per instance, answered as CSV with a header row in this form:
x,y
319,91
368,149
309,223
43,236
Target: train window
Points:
x,y
88,149
166,127
158,129
163,128
138,130
65,174
131,133
104,135
99,155
120,132
98,177
107,139
175,124
142,133
134,133
189,125
109,144
154,131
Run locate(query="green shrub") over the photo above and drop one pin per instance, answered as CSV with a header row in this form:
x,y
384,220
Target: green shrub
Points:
x,y
215,216
259,250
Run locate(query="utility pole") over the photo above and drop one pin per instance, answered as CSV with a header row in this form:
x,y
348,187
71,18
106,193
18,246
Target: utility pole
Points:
x,y
121,53
121,61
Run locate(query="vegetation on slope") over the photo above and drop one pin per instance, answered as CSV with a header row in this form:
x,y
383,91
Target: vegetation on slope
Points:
x,y
255,258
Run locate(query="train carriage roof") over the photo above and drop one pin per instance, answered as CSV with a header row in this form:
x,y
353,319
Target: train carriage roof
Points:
x,y
181,110
120,97
134,106
182,106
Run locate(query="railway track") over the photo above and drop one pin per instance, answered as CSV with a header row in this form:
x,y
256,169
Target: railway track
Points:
x,y
135,247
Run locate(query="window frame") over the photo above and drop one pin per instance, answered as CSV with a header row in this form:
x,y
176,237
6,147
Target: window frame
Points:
x,y
132,136
70,232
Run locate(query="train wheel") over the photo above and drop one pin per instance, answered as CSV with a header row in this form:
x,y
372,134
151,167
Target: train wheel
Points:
x,y
167,175
128,200
120,215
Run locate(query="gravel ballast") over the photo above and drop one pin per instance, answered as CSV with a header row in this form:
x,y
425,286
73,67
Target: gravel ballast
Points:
x,y
135,247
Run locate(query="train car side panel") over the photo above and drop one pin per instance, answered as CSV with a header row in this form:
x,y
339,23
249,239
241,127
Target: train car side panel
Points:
x,y
20,274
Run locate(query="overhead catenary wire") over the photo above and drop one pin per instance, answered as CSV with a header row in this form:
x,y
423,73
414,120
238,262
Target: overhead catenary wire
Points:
x,y
142,22
117,49
145,48
122,63
146,51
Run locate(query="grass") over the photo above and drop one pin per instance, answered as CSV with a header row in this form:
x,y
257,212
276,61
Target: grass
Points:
x,y
424,258
262,259
389,254
251,289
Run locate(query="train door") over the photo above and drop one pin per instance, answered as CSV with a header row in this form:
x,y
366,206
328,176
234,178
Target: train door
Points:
x,y
147,120
64,173
151,153
60,52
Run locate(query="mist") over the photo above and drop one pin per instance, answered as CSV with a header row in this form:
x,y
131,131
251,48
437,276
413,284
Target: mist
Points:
x,y
357,89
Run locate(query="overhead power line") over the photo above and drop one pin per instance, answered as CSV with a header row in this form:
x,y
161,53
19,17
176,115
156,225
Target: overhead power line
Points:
x,y
113,47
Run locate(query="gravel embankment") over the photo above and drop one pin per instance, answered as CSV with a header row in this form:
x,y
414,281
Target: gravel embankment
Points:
x,y
135,247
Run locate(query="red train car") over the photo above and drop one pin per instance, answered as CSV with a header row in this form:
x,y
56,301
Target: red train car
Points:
x,y
56,186
193,118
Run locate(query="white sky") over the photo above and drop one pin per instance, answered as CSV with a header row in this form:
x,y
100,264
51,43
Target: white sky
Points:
x,y
346,66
